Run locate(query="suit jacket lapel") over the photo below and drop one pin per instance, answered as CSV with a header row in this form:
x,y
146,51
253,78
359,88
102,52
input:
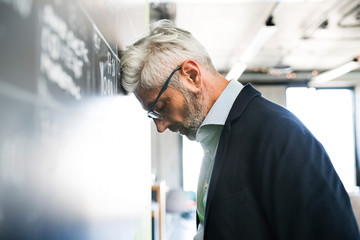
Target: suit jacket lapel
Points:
x,y
241,102
223,143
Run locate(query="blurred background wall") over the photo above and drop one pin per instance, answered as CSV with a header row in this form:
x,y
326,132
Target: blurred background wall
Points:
x,y
70,165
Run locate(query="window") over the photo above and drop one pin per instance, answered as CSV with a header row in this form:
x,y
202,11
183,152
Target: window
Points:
x,y
192,158
328,113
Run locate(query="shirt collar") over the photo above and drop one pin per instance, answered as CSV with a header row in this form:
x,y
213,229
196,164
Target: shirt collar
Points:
x,y
221,108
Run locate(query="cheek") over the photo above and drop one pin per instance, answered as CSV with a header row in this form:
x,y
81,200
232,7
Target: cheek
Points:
x,y
177,110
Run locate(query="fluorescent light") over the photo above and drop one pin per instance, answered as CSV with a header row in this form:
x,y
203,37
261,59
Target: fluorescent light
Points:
x,y
259,41
236,71
337,72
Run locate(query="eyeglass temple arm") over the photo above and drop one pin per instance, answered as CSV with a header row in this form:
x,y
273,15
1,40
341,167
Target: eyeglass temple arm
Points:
x,y
166,84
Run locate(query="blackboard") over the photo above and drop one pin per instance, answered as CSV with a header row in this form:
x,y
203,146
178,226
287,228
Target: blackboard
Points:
x,y
59,70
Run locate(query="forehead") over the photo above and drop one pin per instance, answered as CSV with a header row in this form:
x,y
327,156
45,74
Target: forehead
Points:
x,y
147,97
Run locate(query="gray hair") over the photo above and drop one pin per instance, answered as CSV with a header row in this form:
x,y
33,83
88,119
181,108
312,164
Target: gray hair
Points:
x,y
149,61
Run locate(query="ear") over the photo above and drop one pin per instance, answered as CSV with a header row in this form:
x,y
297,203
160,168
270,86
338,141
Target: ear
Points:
x,y
192,73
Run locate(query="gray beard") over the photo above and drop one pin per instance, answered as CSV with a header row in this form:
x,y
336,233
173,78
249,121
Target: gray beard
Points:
x,y
195,113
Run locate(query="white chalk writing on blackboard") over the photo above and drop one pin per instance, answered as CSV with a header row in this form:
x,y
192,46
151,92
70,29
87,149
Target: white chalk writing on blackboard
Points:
x,y
62,52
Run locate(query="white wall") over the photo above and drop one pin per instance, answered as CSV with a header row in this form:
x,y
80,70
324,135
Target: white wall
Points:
x,y
357,121
275,94
166,160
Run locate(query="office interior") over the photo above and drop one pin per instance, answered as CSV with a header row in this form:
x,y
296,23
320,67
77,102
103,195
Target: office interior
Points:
x,y
79,159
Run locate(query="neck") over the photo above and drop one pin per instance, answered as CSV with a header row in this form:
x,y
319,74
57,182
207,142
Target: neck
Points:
x,y
214,86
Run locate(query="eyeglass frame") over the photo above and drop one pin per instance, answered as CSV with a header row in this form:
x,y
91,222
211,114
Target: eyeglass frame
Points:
x,y
152,113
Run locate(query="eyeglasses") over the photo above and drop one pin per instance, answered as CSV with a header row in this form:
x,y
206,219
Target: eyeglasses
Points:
x,y
152,113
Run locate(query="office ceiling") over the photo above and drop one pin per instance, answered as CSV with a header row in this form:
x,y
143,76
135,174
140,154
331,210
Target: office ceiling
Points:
x,y
310,36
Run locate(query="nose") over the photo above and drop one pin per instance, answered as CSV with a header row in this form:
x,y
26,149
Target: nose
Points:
x,y
161,125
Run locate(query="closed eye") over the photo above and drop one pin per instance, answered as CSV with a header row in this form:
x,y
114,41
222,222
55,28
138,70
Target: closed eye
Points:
x,y
160,107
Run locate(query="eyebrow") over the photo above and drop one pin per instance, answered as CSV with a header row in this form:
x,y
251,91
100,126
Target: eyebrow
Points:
x,y
162,98
149,105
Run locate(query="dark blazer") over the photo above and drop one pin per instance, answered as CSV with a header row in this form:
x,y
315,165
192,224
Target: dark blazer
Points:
x,y
273,180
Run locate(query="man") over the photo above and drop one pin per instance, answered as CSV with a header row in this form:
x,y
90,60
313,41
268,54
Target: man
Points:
x,y
264,175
